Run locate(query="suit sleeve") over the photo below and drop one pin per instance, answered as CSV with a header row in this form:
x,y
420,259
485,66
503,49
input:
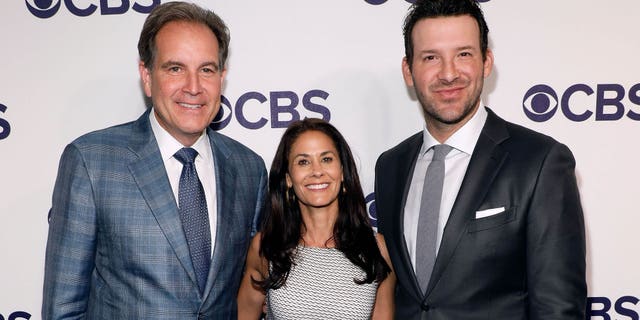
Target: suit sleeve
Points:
x,y
556,242
71,241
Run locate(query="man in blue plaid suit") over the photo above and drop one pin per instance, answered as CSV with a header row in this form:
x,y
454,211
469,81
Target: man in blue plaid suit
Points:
x,y
117,248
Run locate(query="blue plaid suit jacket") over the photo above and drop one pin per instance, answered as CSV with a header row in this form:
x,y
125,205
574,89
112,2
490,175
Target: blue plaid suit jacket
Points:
x,y
116,248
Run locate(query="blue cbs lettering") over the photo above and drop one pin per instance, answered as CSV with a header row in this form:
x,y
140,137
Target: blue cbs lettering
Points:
x,y
277,108
608,102
45,9
5,127
625,307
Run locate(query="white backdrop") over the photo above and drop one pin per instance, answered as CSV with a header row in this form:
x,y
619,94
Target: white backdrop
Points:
x,y
76,71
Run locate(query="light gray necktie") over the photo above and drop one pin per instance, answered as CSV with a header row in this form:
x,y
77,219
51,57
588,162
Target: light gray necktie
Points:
x,y
429,212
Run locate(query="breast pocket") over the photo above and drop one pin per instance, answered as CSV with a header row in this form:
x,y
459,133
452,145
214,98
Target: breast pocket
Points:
x,y
494,221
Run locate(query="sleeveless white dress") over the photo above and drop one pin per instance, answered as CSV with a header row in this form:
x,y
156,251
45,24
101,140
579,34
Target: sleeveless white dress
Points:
x,y
320,286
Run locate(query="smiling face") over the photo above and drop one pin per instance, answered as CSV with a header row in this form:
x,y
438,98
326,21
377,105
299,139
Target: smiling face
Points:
x,y
447,71
186,79
315,172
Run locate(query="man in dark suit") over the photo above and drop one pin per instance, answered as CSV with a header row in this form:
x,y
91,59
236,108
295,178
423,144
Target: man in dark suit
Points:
x,y
136,234
508,236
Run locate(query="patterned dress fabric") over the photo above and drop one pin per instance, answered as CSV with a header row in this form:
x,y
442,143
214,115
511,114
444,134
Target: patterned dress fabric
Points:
x,y
320,286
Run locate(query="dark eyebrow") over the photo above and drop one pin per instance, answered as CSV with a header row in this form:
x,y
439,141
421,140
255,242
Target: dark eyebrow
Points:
x,y
435,51
328,152
213,64
171,63
301,155
429,51
324,153
467,48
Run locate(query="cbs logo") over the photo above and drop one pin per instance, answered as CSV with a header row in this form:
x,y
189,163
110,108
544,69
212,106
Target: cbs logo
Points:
x,y
5,127
48,8
254,110
377,2
370,200
607,309
579,102
17,315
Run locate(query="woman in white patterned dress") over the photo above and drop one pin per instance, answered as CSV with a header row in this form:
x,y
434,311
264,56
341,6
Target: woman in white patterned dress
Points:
x,y
316,256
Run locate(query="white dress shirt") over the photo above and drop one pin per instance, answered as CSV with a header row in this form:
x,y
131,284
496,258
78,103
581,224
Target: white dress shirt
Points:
x,y
456,162
168,146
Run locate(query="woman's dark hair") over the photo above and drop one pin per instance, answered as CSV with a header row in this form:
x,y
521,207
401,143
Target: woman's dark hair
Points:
x,y
283,226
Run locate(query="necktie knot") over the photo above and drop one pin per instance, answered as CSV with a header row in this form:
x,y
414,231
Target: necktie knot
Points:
x,y
440,151
186,155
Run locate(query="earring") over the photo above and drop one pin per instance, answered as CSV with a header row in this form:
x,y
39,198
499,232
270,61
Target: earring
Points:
x,y
290,197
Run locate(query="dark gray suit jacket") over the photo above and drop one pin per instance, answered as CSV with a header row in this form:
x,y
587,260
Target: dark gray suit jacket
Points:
x,y
116,248
527,262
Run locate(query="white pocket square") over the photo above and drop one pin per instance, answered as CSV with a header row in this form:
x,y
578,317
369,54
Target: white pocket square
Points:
x,y
488,212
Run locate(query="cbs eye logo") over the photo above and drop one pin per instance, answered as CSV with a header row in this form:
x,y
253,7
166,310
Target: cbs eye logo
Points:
x,y
370,200
377,2
540,103
17,315
43,8
48,8
579,102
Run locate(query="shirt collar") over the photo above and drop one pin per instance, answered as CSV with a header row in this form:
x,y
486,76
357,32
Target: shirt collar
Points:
x,y
464,139
168,145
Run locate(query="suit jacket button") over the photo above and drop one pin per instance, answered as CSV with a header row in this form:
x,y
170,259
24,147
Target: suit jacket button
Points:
x,y
426,307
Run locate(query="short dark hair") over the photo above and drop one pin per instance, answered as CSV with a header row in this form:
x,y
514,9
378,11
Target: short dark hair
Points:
x,y
180,11
423,9
283,226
